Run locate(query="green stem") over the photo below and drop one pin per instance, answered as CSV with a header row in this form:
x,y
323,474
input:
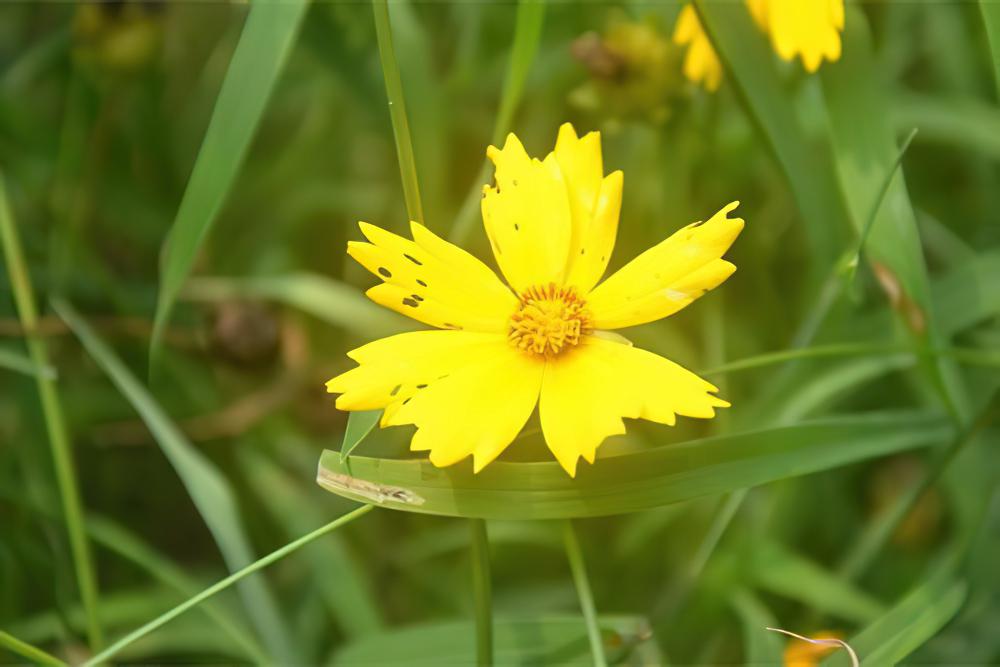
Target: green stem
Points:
x,y
397,110
527,34
222,585
27,651
576,565
877,534
482,592
55,423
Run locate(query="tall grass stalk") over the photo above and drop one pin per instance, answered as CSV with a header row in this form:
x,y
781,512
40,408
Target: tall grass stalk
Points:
x,y
397,111
578,568
55,422
222,585
482,592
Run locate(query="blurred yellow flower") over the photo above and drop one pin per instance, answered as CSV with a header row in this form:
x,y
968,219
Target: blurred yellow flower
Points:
x,y
799,653
470,386
808,29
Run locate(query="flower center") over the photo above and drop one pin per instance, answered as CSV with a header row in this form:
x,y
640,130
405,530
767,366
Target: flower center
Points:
x,y
548,320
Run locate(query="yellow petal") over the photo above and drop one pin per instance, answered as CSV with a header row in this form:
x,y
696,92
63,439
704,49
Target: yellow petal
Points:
x,y
391,370
478,409
668,276
809,29
527,216
588,390
701,64
595,203
433,281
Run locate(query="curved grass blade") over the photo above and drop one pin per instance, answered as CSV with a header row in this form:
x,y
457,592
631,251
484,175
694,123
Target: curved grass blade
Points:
x,y
522,640
955,122
260,55
222,585
327,299
397,111
359,425
55,421
206,485
574,554
991,21
527,35
482,591
630,482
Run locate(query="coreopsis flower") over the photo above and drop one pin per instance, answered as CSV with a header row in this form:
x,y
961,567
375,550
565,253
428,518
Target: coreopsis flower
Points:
x,y
807,29
545,337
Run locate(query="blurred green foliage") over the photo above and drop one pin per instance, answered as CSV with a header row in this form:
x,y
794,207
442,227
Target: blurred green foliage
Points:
x,y
209,463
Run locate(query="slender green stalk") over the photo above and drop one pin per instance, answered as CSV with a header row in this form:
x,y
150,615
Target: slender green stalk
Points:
x,y
397,111
576,565
27,651
55,423
13,361
527,34
482,592
222,585
877,534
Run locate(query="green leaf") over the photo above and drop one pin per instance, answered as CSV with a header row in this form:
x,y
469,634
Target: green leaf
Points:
x,y
785,573
634,481
750,66
331,301
260,55
359,425
865,151
206,485
529,640
760,646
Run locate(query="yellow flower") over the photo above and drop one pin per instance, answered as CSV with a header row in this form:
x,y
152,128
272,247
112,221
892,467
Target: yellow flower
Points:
x,y
809,29
799,653
470,386
701,64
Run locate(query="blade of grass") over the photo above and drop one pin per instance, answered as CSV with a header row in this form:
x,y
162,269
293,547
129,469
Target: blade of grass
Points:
x,y
264,45
18,363
955,122
481,592
574,554
341,582
991,21
397,111
760,648
55,421
864,146
658,475
527,35
359,425
28,652
878,532
206,485
222,585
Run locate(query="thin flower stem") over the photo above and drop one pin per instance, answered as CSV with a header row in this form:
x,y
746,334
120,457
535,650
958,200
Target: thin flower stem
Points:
x,y
482,592
222,585
527,34
55,423
878,532
576,565
397,111
28,652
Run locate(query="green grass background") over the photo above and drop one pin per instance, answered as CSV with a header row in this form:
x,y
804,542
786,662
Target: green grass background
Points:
x,y
179,181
